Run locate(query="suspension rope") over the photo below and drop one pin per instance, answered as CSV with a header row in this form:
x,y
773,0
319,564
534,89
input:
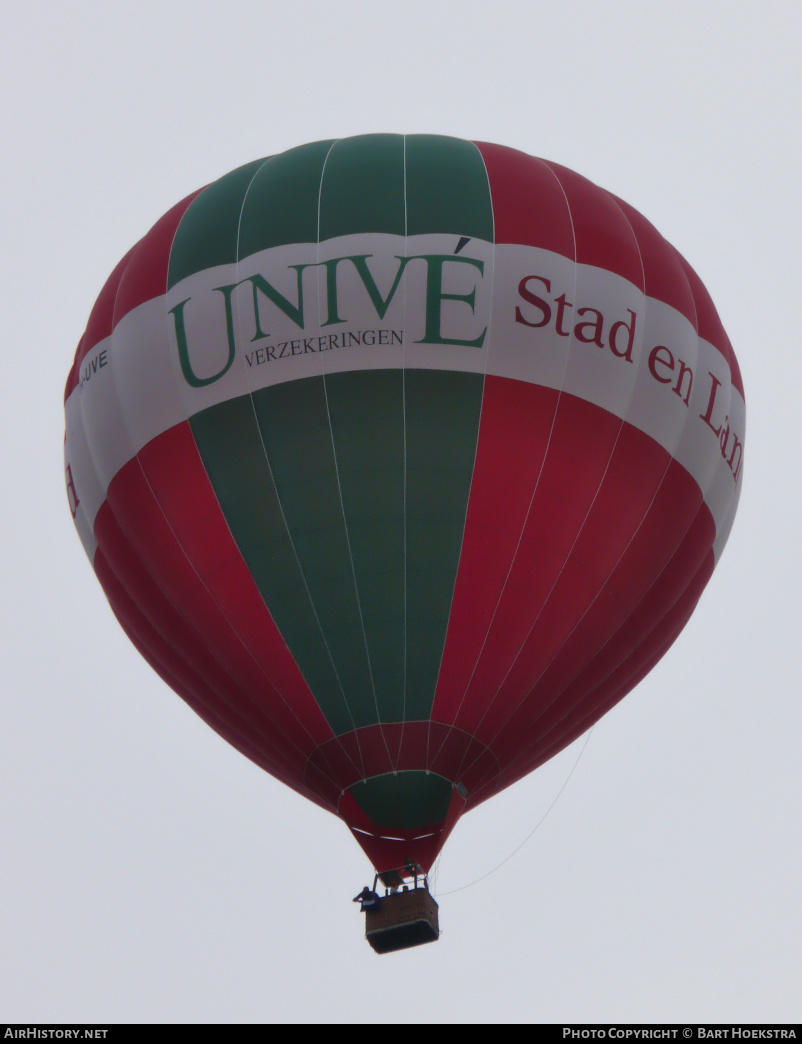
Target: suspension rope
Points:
x,y
536,827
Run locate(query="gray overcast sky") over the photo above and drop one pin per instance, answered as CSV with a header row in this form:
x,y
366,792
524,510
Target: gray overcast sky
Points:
x,y
150,873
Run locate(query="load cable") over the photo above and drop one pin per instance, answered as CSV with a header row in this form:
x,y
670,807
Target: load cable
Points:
x,y
531,833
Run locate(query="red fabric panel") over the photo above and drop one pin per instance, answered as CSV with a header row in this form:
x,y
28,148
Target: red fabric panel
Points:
x,y
386,853
100,321
615,533
115,574
582,441
709,324
581,616
190,662
73,379
405,846
630,632
553,734
145,275
514,433
170,593
228,731
529,205
175,475
603,235
531,198
421,745
138,277
663,272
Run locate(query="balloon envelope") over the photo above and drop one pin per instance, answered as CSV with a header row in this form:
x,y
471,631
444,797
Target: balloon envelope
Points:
x,y
402,459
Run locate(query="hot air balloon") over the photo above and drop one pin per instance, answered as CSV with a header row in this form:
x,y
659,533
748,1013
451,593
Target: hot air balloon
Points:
x,y
402,459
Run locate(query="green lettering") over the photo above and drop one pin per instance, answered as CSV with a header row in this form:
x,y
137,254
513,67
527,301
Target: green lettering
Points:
x,y
360,263
381,304
261,286
435,297
183,351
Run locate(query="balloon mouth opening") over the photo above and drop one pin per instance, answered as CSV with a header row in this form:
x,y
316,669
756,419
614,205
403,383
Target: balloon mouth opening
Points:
x,y
405,801
402,818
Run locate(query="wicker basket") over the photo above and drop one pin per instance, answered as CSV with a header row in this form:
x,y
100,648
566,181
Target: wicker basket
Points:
x,y
402,919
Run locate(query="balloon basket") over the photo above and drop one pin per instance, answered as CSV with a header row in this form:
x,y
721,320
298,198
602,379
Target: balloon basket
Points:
x,y
405,916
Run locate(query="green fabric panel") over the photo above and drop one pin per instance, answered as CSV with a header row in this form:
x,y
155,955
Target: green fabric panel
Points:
x,y
328,469
442,424
446,191
294,424
282,202
404,800
207,233
367,421
403,440
363,186
228,433
447,188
